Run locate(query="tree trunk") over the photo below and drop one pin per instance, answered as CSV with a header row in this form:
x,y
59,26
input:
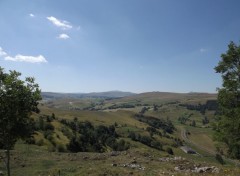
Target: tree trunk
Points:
x,y
8,162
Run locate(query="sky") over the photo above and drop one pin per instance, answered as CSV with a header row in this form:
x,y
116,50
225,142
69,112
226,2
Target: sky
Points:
x,y
128,45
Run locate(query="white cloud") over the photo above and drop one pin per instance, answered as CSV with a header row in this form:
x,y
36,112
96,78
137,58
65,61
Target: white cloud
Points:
x,y
59,23
31,59
63,36
2,53
31,15
202,50
22,58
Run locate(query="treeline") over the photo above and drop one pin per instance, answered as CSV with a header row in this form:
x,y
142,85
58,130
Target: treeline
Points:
x,y
121,106
145,140
166,125
88,138
83,136
210,105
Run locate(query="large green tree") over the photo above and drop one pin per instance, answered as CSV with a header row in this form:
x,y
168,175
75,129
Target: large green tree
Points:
x,y
18,99
228,130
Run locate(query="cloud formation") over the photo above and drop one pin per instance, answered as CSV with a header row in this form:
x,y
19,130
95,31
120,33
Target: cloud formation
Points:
x,y
31,15
2,53
22,58
31,59
63,36
60,23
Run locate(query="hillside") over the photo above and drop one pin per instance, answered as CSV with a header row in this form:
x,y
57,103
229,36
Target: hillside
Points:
x,y
131,135
109,94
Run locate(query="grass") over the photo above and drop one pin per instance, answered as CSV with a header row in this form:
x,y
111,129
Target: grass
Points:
x,y
32,160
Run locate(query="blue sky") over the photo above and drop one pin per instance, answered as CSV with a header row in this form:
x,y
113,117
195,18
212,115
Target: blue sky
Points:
x,y
128,45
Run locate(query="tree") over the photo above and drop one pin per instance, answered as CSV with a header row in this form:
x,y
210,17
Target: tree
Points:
x,y
18,99
219,158
228,127
193,123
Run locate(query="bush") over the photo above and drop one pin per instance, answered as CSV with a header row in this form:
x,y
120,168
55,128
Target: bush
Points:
x,y
61,148
40,142
169,151
49,126
30,140
219,158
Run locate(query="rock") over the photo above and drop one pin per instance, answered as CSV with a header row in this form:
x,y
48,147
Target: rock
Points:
x,y
215,170
199,170
176,168
114,165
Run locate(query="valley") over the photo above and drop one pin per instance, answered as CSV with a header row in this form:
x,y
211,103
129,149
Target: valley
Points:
x,y
141,134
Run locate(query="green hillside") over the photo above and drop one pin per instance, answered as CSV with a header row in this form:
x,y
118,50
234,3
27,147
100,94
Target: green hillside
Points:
x,y
136,135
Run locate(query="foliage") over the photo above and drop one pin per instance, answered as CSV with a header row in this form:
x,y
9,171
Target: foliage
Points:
x,y
210,105
166,125
219,158
143,110
228,130
184,118
193,123
18,99
169,151
205,120
121,106
145,140
88,138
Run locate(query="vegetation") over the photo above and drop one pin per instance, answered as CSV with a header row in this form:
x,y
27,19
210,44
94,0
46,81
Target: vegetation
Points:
x,y
88,138
110,133
17,100
210,105
219,159
165,125
228,130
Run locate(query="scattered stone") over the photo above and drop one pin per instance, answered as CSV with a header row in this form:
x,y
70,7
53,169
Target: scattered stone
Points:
x,y
85,157
114,153
205,169
130,165
114,165
176,158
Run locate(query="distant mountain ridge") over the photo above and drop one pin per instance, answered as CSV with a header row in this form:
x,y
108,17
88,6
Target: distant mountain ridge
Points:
x,y
108,94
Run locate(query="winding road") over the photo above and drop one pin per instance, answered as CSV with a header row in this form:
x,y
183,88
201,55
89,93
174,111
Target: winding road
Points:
x,y
212,153
185,138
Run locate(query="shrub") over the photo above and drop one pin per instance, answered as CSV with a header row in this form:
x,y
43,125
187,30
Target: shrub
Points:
x,y
219,158
61,148
40,142
49,126
169,151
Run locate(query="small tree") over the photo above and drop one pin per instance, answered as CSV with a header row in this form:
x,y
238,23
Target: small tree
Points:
x,y
219,158
193,123
17,100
